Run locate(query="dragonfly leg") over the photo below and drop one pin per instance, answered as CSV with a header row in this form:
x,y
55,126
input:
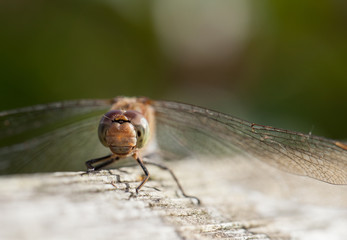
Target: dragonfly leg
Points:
x,y
140,162
175,179
109,159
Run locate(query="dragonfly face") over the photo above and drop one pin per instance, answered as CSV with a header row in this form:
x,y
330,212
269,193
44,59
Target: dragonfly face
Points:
x,y
123,132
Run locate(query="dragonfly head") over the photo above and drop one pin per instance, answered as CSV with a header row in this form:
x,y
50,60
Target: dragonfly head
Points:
x,y
123,131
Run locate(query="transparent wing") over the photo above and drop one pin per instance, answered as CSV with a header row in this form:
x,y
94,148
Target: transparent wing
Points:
x,y
53,137
185,130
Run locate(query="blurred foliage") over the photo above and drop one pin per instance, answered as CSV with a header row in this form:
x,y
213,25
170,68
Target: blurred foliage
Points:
x,y
272,62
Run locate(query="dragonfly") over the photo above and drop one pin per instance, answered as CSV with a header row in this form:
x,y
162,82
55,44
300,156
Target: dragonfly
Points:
x,y
62,136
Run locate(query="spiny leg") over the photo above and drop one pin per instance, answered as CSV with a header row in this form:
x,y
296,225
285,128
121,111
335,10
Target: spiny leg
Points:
x,y
174,177
108,160
140,162
102,165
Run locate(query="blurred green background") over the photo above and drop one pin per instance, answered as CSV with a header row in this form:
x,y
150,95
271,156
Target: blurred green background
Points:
x,y
279,63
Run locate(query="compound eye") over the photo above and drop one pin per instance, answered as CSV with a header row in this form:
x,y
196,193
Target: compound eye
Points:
x,y
141,127
105,123
142,133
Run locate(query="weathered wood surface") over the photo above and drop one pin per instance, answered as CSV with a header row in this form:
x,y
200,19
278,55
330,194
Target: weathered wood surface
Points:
x,y
238,202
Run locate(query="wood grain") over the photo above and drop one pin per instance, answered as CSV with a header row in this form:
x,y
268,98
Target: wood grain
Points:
x,y
237,204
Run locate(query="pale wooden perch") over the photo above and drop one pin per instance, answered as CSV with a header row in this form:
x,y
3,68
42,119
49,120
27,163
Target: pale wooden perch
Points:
x,y
73,205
